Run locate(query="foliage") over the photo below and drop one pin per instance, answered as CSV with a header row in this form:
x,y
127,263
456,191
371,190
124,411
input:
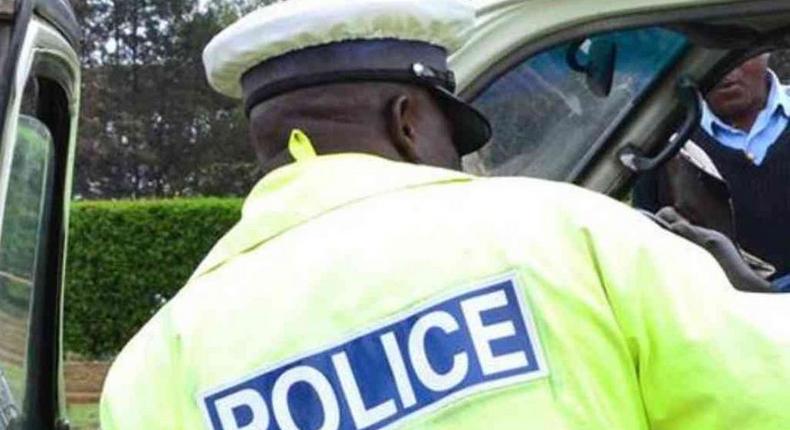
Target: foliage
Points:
x,y
150,124
126,258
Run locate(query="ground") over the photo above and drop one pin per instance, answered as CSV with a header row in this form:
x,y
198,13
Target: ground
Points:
x,y
84,417
84,380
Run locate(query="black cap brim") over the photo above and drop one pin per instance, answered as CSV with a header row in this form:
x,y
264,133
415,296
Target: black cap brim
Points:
x,y
385,60
471,129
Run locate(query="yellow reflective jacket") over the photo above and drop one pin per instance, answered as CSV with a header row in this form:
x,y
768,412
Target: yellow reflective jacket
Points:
x,y
357,292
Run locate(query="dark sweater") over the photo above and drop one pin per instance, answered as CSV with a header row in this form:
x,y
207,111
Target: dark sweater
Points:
x,y
760,195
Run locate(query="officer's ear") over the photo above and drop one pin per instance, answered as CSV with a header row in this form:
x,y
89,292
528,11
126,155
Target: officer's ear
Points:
x,y
402,127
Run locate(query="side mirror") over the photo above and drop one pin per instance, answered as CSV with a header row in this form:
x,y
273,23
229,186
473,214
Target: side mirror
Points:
x,y
598,66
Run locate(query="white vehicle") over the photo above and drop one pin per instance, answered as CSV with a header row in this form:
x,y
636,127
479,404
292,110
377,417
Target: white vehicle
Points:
x,y
642,57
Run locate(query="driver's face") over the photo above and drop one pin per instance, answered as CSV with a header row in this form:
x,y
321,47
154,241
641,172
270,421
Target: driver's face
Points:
x,y
742,90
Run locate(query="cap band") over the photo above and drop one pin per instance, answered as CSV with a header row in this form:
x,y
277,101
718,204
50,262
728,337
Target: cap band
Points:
x,y
354,61
274,89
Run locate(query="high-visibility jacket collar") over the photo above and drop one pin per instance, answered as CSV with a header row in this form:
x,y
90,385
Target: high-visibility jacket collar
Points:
x,y
299,192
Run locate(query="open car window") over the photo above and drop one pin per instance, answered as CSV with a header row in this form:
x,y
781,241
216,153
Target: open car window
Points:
x,y
20,248
548,117
730,176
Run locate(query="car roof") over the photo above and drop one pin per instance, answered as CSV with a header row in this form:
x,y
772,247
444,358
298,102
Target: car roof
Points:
x,y
58,13
61,14
484,5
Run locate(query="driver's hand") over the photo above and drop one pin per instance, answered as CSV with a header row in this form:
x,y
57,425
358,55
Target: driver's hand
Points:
x,y
721,247
709,239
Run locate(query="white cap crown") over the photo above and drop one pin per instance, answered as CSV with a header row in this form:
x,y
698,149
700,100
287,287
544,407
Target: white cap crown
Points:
x,y
292,25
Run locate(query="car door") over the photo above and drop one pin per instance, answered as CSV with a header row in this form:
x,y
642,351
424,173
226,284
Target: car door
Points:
x,y
40,93
549,121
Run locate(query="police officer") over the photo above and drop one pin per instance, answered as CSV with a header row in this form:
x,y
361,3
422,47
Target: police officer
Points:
x,y
362,291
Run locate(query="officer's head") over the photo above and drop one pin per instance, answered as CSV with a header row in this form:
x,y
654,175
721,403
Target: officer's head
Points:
x,y
366,77
393,120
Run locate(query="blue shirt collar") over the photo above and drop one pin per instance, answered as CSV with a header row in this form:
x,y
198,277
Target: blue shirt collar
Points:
x,y
778,98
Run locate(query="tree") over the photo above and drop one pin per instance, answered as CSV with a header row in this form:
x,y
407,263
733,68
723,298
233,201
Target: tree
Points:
x,y
150,124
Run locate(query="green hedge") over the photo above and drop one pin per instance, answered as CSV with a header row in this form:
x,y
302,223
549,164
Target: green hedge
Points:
x,y
125,258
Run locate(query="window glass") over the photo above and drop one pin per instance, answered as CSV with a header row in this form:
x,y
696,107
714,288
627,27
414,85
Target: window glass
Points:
x,y
19,242
545,115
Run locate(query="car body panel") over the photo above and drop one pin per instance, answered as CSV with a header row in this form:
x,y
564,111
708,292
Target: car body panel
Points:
x,y
60,14
505,26
45,48
510,31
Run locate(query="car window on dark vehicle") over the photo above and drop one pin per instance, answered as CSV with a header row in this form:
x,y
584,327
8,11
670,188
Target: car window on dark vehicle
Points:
x,y
20,231
547,113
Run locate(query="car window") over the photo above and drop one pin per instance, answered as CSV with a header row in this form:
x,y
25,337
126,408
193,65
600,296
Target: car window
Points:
x,y
545,115
20,233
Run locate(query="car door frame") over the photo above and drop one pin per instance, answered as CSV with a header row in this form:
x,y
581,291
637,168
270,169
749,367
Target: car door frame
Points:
x,y
46,53
518,30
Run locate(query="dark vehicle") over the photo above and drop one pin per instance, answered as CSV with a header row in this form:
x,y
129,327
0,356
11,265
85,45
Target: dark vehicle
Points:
x,y
39,89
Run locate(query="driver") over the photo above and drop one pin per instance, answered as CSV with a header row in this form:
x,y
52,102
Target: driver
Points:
x,y
739,156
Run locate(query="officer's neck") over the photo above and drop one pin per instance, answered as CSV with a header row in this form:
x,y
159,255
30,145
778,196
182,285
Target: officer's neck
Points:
x,y
335,141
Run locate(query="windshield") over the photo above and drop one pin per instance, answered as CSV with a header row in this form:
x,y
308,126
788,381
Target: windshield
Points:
x,y
547,116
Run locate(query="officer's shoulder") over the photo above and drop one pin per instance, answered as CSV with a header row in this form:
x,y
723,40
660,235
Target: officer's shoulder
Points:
x,y
547,192
149,344
563,203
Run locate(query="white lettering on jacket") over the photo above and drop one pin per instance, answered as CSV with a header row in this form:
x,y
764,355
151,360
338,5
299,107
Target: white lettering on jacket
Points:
x,y
451,349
